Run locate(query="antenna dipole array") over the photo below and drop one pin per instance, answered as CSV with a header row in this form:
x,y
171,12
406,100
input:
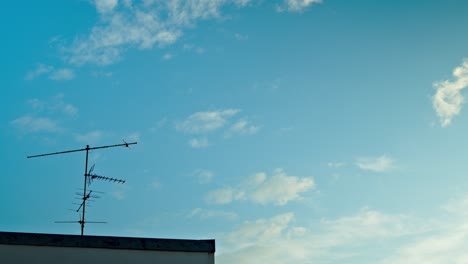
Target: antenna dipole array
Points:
x,y
87,176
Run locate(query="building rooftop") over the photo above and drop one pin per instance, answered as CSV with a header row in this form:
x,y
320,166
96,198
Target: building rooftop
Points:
x,y
107,242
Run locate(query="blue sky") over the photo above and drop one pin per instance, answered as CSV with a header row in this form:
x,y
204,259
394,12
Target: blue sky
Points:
x,y
300,131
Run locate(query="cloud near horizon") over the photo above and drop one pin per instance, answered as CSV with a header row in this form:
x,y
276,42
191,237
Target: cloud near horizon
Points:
x,y
355,238
280,239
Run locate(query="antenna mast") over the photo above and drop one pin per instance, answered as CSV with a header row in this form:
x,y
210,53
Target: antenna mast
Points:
x,y
86,175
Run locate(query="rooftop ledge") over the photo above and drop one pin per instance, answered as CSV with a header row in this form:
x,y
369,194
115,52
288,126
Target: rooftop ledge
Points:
x,y
107,242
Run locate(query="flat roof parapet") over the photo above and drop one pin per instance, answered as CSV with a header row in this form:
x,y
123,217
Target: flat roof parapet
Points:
x,y
107,242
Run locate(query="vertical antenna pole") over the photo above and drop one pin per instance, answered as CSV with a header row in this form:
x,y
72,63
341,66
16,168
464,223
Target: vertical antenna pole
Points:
x,y
87,174
84,191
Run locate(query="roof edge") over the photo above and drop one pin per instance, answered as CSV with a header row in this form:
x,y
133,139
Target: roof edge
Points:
x,y
106,242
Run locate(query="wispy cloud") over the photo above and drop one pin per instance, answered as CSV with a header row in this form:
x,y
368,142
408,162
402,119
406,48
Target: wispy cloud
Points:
x,y
199,142
63,74
448,99
335,164
40,70
167,56
54,105
148,24
105,6
44,115
204,176
375,164
444,244
133,137
240,36
360,236
118,194
142,25
91,137
259,231
280,240
279,189
224,196
296,5
160,124
208,213
204,122
31,124
208,122
242,127
155,184
191,47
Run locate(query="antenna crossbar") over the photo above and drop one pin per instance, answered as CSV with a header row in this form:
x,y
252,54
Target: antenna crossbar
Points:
x,y
87,174
83,149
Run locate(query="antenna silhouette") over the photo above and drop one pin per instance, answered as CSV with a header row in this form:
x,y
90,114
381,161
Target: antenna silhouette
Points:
x,y
87,176
99,177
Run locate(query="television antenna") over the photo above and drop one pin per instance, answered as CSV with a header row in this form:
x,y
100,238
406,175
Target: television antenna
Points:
x,y
88,176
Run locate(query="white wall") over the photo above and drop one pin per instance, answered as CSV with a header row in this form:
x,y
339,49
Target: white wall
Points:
x,y
18,254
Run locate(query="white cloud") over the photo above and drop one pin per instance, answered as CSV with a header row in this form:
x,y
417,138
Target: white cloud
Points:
x,y
133,137
156,184
278,189
127,3
207,213
70,109
223,196
375,164
160,124
143,25
296,5
261,230
366,236
55,107
446,243
105,6
242,127
190,47
90,137
62,75
204,176
40,70
57,104
167,56
36,104
239,36
203,122
199,142
335,164
105,74
119,194
279,240
448,99
147,24
36,124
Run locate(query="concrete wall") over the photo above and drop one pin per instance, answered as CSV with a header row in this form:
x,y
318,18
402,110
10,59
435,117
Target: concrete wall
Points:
x,y
70,255
31,248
